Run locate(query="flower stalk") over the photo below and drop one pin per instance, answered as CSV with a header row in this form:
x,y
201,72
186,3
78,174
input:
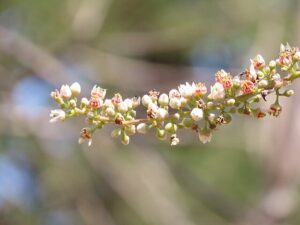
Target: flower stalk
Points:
x,y
187,107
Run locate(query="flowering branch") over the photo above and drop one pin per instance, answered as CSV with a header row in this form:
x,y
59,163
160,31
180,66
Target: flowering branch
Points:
x,y
189,106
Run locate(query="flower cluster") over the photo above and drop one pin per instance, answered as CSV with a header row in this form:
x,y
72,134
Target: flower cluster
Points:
x,y
189,106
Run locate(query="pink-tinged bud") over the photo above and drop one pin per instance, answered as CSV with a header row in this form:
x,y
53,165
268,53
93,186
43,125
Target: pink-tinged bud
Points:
x,y
247,87
142,128
175,103
258,113
154,94
65,91
98,92
217,91
163,99
95,103
116,99
200,89
174,140
146,100
258,62
57,115
75,88
197,114
205,136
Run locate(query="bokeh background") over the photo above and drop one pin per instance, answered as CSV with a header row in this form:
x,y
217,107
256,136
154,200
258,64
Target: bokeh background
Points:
x,y
248,174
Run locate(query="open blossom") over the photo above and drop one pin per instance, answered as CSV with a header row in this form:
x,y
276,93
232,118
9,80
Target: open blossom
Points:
x,y
205,136
98,92
187,90
251,74
224,78
258,62
247,87
286,55
65,91
200,89
95,103
217,91
57,115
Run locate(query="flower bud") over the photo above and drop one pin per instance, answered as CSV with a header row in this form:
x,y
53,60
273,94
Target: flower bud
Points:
x,y
146,100
197,114
297,56
125,139
130,129
161,134
75,88
211,117
122,107
263,84
171,128
272,64
116,133
175,103
110,111
187,122
65,91
289,93
72,103
142,128
227,118
129,103
209,105
231,101
260,74
162,114
163,99
174,140
57,115
84,101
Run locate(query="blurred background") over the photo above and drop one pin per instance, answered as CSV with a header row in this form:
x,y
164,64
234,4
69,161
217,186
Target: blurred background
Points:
x,y
248,174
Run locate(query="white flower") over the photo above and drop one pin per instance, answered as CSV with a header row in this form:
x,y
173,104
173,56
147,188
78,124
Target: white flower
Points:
x,y
297,56
122,107
197,114
187,90
163,99
110,111
57,115
84,101
162,113
174,140
142,128
129,103
231,101
217,91
174,94
146,100
75,88
205,136
175,103
98,92
108,103
65,91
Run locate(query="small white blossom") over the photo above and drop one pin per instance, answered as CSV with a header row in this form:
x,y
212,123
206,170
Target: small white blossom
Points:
x,y
122,107
146,100
163,99
57,115
142,128
65,91
174,140
98,92
110,111
205,136
174,94
297,56
84,101
187,90
108,103
197,114
217,91
162,113
175,103
129,103
263,83
75,88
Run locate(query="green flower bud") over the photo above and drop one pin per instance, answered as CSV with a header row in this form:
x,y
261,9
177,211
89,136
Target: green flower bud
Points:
x,y
125,139
171,128
161,134
130,129
187,122
116,133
